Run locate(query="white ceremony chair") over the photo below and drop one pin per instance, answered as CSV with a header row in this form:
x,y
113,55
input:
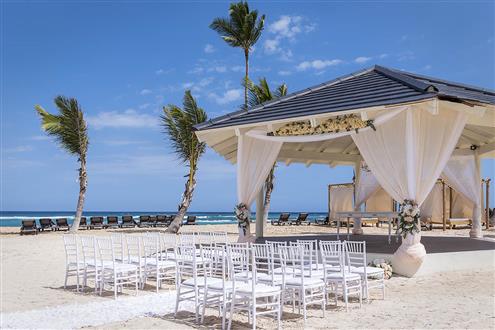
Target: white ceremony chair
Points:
x,y
88,251
168,245
219,237
135,256
371,277
275,245
337,272
265,265
113,272
191,277
306,288
154,265
311,252
118,246
74,265
250,296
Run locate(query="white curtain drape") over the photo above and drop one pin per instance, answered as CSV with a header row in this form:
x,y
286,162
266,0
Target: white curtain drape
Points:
x,y
341,198
461,207
462,174
255,158
379,201
432,207
366,186
407,153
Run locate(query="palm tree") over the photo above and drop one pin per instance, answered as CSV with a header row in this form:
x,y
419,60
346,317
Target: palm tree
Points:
x,y
242,29
70,131
257,95
178,124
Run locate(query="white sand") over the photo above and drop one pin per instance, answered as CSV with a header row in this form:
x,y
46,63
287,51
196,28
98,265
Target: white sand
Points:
x,y
32,275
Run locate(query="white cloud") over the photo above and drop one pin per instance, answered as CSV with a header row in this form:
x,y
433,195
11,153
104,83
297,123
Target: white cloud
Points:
x,y
18,149
406,56
427,67
382,56
39,138
126,119
271,46
144,106
237,68
122,142
219,69
209,49
145,91
284,73
230,95
317,64
161,71
362,59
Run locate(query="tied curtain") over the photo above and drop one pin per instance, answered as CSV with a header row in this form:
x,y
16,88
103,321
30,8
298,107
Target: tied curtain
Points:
x,y
432,207
340,199
366,186
380,201
255,158
463,175
407,153
461,207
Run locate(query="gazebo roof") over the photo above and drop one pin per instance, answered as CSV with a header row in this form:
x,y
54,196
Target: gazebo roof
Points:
x,y
368,93
375,86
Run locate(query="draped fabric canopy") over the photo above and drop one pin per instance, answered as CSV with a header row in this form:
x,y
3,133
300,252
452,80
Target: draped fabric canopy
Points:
x,y
255,158
379,201
366,186
340,199
432,207
407,153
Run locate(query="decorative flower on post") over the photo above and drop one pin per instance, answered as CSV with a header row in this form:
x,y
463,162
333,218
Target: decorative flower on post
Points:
x,y
243,216
409,218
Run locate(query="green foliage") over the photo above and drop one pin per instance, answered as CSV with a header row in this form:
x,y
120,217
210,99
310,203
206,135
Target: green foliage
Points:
x,y
178,125
68,127
243,27
262,93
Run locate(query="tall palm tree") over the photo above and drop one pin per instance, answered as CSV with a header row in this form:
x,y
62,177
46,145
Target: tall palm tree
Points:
x,y
257,95
242,29
70,131
178,124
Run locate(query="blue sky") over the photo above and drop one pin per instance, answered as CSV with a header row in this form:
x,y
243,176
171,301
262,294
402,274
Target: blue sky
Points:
x,y
124,61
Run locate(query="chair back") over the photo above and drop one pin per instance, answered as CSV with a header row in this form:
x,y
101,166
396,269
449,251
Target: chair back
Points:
x,y
71,248
355,253
219,237
111,219
127,219
310,249
29,224
217,265
105,251
284,217
151,247
293,261
62,222
187,239
118,245
332,253
88,248
191,219
134,248
239,261
263,258
46,222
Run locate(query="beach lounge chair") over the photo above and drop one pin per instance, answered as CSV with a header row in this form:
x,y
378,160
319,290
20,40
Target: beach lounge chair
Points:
x,y
152,221
323,221
46,223
301,218
161,221
96,222
29,227
144,221
61,224
282,219
112,222
191,220
128,221
170,218
83,224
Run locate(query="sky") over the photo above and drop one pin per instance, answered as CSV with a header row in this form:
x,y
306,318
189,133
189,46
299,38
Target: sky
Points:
x,y
124,61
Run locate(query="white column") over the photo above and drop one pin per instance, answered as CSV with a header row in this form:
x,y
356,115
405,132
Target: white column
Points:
x,y
475,231
357,228
260,210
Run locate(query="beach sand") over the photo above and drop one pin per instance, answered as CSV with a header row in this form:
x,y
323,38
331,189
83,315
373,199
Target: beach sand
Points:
x,y
32,277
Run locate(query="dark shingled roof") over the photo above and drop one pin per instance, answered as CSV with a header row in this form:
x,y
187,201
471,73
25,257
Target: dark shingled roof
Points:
x,y
375,86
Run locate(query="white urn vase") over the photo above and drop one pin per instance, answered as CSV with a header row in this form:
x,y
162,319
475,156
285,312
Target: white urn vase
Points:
x,y
409,257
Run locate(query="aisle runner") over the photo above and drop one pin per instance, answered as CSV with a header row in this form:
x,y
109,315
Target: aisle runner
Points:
x,y
94,313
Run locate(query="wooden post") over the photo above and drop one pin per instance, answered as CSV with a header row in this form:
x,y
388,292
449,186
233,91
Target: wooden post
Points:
x,y
487,203
260,210
444,211
475,231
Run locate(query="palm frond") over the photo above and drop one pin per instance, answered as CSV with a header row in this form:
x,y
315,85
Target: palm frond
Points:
x,y
68,127
262,93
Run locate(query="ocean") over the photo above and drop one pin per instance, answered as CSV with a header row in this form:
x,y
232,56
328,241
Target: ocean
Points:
x,y
14,218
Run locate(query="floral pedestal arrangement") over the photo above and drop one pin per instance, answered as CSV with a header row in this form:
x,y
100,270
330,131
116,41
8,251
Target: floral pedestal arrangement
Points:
x,y
243,216
410,255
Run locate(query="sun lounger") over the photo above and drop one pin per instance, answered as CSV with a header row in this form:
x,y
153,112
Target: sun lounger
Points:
x,y
61,223
152,221
170,218
191,220
301,218
96,222
128,221
161,221
29,227
323,221
282,219
144,221
46,223
112,222
83,224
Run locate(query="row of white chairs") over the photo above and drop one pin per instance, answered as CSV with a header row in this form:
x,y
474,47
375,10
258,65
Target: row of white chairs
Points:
x,y
119,260
251,277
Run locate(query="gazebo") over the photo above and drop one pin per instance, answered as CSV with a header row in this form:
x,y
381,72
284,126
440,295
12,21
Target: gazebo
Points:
x,y
408,130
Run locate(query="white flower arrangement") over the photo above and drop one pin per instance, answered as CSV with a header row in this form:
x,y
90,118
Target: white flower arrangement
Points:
x,y
385,265
409,218
243,216
338,124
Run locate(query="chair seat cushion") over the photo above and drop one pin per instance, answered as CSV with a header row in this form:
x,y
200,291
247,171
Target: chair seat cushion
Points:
x,y
308,281
339,276
259,288
200,281
161,263
369,270
120,267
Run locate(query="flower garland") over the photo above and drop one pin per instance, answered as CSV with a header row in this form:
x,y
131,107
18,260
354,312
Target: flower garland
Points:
x,y
408,218
338,124
243,216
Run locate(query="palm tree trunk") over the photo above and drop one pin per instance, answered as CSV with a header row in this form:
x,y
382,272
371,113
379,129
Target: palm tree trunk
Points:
x,y
246,57
268,193
186,201
83,183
